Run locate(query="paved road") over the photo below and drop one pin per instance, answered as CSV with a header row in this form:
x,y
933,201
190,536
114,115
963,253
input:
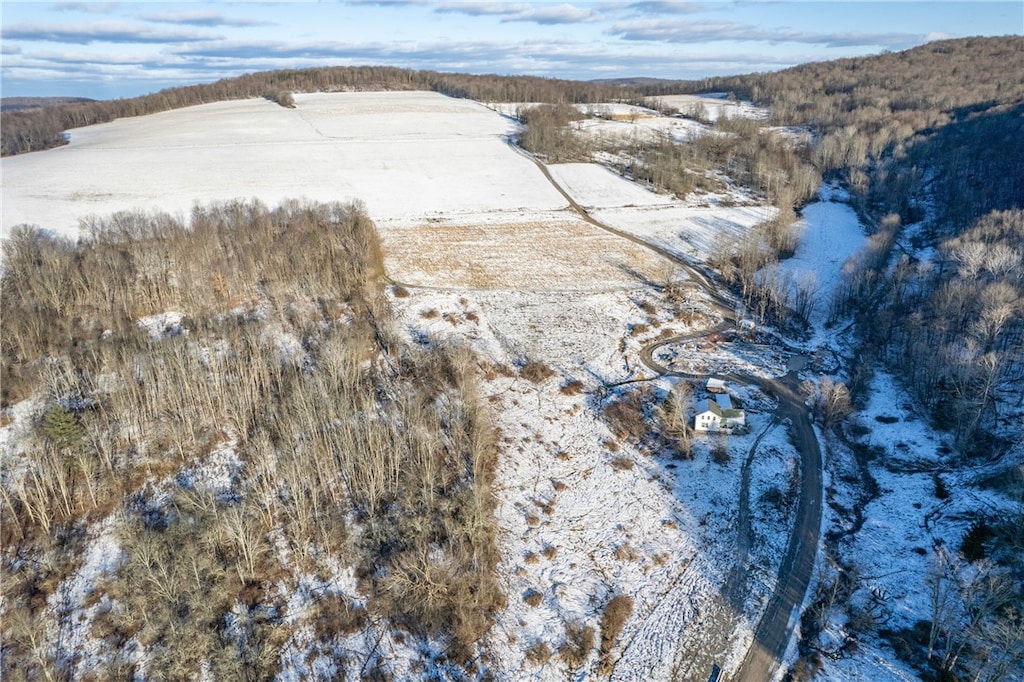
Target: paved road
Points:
x,y
775,629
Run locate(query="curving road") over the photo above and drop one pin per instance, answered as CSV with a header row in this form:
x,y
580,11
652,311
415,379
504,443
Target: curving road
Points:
x,y
775,629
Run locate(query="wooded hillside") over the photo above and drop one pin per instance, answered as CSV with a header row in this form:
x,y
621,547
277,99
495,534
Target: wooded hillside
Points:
x,y
952,106
224,396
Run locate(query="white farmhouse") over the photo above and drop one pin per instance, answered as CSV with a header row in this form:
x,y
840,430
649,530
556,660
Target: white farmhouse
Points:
x,y
711,416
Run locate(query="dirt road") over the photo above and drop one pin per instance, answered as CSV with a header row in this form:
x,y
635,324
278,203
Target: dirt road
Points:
x,y
775,629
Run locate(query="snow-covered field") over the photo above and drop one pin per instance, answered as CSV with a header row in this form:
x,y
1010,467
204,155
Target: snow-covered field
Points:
x,y
830,233
407,156
713,107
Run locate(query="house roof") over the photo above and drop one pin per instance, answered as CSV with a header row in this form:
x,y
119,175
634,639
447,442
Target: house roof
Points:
x,y
724,401
716,409
709,406
716,383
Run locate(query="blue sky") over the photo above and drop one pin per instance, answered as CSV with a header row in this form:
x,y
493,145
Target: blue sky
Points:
x,y
121,49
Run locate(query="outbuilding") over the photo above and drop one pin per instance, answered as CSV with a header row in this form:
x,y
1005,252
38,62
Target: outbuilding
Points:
x,y
716,386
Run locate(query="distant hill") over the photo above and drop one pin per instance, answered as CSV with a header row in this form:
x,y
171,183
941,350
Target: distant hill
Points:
x,y
951,106
636,81
10,104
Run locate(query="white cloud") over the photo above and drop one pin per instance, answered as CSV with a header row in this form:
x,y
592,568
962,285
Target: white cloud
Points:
x,y
208,19
102,32
90,7
716,31
509,12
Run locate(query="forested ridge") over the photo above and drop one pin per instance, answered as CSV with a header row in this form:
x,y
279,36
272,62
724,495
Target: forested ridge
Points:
x,y
953,106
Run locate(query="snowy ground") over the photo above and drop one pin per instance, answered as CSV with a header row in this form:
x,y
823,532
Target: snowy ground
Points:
x,y
895,550
693,227
830,233
407,156
712,107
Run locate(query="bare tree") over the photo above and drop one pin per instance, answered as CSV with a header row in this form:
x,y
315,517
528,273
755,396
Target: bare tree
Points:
x,y
829,399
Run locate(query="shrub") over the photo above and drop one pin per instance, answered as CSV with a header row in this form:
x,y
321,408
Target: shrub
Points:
x,y
535,371
533,597
616,612
622,463
720,451
579,641
335,614
61,428
572,387
538,653
626,416
974,545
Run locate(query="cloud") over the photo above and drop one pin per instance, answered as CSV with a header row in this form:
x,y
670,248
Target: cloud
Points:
x,y
665,7
510,12
91,7
100,32
687,32
206,19
7,48
243,50
544,58
386,3
140,69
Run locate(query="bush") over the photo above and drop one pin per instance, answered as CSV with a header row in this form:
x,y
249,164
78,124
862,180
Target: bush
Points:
x,y
616,612
974,545
535,371
720,451
572,387
579,641
538,653
626,416
61,428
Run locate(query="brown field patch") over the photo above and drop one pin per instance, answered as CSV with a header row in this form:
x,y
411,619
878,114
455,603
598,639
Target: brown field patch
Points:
x,y
527,256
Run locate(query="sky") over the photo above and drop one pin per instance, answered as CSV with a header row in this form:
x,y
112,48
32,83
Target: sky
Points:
x,y
106,50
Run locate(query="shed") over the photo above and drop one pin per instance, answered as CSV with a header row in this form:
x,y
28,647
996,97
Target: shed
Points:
x,y
716,386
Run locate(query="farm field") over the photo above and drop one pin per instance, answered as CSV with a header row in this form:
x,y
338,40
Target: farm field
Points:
x,y
406,156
